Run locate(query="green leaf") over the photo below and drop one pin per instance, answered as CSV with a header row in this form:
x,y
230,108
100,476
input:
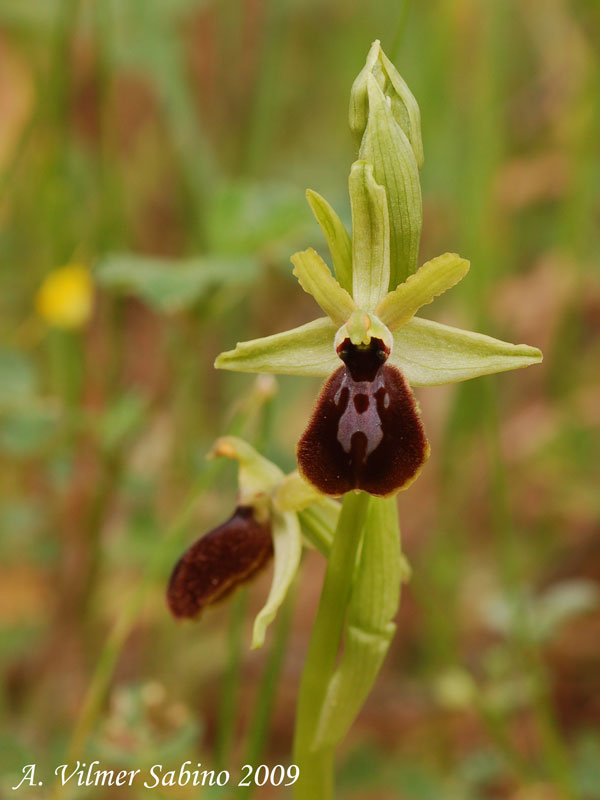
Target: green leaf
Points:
x,y
429,281
27,430
245,217
429,353
337,237
38,15
18,379
122,419
370,237
369,623
287,543
171,285
315,278
387,148
306,350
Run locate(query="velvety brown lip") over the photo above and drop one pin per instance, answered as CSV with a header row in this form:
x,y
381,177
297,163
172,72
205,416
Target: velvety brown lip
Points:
x,y
365,432
218,563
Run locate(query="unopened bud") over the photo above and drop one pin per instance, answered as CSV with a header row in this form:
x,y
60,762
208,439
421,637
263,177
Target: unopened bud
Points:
x,y
400,99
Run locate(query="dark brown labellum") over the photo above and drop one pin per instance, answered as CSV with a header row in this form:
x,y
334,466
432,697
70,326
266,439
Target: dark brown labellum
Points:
x,y
217,563
365,432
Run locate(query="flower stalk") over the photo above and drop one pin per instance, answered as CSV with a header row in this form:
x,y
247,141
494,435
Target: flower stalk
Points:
x,y
316,763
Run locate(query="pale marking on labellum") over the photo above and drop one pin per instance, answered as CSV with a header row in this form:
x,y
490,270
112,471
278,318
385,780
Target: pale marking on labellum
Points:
x,y
366,422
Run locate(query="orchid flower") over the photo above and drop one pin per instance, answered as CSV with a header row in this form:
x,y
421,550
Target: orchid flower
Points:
x,y
273,511
366,432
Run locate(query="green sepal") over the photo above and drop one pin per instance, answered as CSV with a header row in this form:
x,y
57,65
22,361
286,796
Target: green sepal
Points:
x,y
294,493
403,104
370,237
369,622
317,513
387,148
337,237
287,544
430,354
306,350
315,278
429,281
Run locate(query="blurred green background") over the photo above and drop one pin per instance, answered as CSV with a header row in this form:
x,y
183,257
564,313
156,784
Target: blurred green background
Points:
x,y
166,145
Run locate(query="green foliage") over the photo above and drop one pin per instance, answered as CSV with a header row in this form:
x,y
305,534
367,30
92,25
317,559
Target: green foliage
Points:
x,y
18,379
170,286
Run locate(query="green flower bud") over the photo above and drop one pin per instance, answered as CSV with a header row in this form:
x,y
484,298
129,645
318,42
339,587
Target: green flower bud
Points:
x,y
401,101
387,148
386,123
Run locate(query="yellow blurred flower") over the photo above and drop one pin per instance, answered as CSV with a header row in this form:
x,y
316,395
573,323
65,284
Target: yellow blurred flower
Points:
x,y
64,300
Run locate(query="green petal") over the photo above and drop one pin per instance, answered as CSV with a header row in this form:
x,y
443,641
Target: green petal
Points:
x,y
318,514
370,237
338,238
430,280
307,350
429,353
287,543
386,146
315,278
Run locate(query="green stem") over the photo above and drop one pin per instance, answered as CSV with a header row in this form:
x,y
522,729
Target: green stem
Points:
x,y
66,362
111,469
316,767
